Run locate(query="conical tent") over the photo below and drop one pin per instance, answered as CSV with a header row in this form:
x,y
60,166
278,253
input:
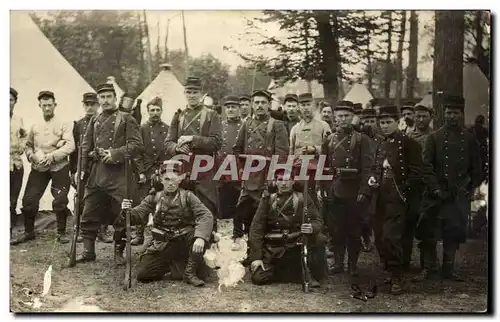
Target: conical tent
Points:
x,y
426,101
358,94
171,91
36,65
476,93
119,92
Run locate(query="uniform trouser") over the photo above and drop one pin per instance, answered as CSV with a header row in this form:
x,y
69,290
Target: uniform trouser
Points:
x,y
245,211
159,258
389,228
101,207
411,220
16,182
345,227
35,187
284,269
210,205
228,196
142,192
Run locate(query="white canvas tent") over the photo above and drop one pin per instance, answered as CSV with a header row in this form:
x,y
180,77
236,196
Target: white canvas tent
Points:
x,y
476,93
358,94
36,65
171,91
119,92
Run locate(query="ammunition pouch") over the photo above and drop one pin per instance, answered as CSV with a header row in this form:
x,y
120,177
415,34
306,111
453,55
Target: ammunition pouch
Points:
x,y
282,237
168,234
347,173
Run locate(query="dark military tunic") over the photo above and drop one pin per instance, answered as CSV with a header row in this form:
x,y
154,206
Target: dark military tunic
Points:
x,y
398,169
265,137
79,128
177,222
420,136
106,184
278,214
205,127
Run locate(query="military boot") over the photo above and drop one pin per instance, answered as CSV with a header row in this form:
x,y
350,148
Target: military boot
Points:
x,y
448,270
338,257
88,254
119,248
191,269
61,218
139,236
396,283
352,263
29,229
103,236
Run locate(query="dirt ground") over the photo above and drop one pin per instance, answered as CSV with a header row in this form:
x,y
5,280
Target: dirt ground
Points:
x,y
96,287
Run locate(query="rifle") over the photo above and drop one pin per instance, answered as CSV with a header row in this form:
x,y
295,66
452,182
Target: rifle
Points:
x,y
72,252
127,283
306,274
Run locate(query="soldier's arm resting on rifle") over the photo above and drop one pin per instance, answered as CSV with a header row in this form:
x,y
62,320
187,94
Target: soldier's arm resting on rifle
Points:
x,y
314,217
73,158
67,148
140,213
281,144
258,229
366,161
204,218
213,142
87,144
475,164
132,144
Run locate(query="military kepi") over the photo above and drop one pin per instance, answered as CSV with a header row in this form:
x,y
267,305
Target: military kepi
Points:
x,y
389,111
291,97
231,99
344,106
105,88
156,101
263,93
244,97
305,97
422,108
454,102
357,108
171,167
193,83
89,98
368,113
46,94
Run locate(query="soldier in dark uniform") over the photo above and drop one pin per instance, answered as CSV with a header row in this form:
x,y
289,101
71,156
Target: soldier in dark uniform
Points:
x,y
229,191
453,154
153,133
274,257
259,135
349,153
112,138
245,108
291,107
370,128
196,130
182,227
396,171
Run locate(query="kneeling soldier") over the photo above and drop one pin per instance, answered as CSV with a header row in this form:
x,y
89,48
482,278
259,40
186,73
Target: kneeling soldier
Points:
x,y
182,227
275,232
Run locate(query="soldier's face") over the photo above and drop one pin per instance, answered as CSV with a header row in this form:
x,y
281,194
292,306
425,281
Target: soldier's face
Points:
x,y
407,114
327,114
260,105
193,96
12,102
107,100
154,112
284,185
306,109
369,122
90,107
422,119
388,125
244,108
170,183
48,105
232,110
453,117
355,119
292,109
343,118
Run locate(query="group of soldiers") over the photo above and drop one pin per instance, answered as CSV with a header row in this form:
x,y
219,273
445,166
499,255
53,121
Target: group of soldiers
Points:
x,y
398,183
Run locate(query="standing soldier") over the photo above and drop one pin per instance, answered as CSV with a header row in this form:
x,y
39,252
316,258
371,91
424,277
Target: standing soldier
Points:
x,y
327,114
349,153
153,133
369,128
18,136
49,145
245,108
112,138
196,130
259,135
453,154
407,123
397,169
229,191
423,118
291,106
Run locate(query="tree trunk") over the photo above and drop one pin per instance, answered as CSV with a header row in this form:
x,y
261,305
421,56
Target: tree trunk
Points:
x,y
328,45
148,48
166,41
413,59
399,75
142,79
186,52
369,74
478,49
388,63
448,58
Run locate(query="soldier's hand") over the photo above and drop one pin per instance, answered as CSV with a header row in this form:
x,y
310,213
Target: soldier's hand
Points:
x,y
106,156
126,204
183,149
306,229
362,198
437,193
46,161
372,182
320,195
198,245
308,149
142,178
185,139
256,264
